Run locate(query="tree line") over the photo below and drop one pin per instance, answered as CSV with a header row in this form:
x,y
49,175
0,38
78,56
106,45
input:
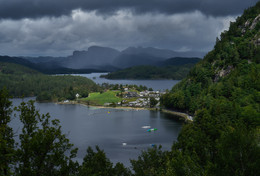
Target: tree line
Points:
x,y
23,81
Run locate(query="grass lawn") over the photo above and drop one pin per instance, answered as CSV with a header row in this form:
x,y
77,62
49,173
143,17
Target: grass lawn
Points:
x,y
106,97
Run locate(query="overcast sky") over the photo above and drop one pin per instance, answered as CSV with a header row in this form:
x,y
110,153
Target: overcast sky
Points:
x,y
58,27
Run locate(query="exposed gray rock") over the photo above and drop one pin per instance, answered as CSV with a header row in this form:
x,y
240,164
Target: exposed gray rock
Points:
x,y
258,41
223,72
254,23
247,23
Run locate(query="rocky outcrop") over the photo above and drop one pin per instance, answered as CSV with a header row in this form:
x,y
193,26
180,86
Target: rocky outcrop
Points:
x,y
222,73
254,23
249,24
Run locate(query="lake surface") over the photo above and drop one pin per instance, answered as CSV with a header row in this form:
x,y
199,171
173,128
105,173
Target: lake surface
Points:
x,y
110,128
155,84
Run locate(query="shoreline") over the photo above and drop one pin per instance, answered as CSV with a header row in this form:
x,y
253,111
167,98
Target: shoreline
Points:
x,y
186,117
99,106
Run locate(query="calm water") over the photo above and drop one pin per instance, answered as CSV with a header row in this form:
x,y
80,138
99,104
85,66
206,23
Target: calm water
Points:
x,y
155,84
109,128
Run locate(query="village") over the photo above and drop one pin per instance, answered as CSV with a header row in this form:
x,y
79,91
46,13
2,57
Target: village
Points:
x,y
135,96
141,99
122,96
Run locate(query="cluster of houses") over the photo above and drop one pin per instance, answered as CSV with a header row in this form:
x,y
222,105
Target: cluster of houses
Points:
x,y
132,98
142,99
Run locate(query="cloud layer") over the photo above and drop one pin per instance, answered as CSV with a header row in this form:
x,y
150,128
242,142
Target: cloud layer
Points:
x,y
18,9
56,28
62,35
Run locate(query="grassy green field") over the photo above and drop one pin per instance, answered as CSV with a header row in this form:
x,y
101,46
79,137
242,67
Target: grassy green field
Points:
x,y
106,97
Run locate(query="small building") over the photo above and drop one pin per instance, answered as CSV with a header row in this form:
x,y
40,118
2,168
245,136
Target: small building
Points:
x,y
131,94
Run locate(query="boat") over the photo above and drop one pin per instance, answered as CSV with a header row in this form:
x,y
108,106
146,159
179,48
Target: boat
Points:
x,y
152,129
146,126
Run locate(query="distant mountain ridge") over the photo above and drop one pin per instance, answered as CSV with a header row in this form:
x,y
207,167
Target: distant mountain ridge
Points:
x,y
134,56
103,59
95,56
163,53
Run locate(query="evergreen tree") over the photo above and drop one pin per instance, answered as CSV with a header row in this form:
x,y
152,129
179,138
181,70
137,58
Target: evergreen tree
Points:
x,y
96,163
6,134
151,162
43,149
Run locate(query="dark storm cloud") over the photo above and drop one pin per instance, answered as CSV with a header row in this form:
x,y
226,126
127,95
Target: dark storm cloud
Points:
x,y
17,9
59,36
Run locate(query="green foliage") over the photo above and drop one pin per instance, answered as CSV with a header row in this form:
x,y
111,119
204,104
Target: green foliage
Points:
x,y
43,148
22,81
173,68
151,72
181,164
151,162
239,153
121,170
96,164
222,91
98,98
153,102
6,135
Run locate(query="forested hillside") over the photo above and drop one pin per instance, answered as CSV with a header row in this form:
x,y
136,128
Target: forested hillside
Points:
x,y
231,67
23,81
222,92
151,72
174,68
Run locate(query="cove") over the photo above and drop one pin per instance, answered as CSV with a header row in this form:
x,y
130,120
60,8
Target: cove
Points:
x,y
121,133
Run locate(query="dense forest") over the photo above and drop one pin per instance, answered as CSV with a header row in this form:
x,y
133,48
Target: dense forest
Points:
x,y
222,92
23,81
150,72
174,68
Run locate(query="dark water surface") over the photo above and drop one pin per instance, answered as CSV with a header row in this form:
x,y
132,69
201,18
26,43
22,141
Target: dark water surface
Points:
x,y
110,128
